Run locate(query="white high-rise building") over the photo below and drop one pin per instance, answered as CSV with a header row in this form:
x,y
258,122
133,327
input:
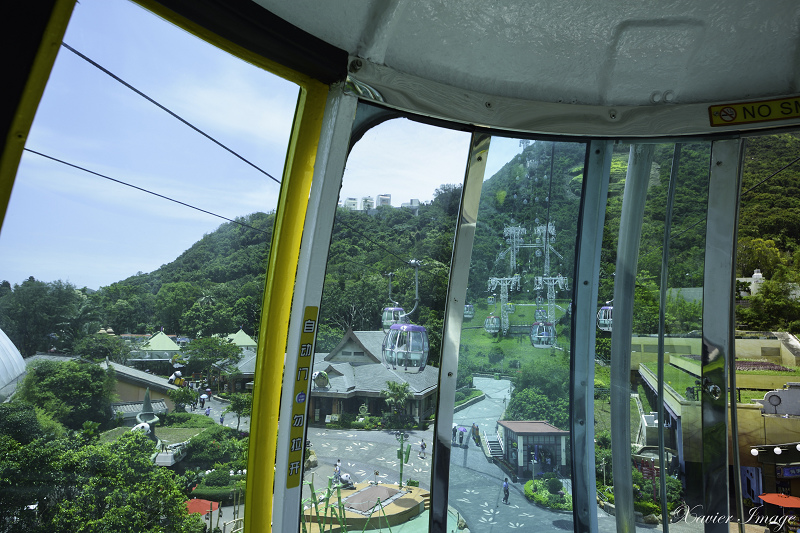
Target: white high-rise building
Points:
x,y
384,199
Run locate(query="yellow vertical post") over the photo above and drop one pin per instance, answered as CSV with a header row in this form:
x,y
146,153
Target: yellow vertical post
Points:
x,y
278,289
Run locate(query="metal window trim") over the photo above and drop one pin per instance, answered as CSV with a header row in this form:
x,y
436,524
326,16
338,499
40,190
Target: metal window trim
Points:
x,y
451,338
718,334
413,94
630,231
587,284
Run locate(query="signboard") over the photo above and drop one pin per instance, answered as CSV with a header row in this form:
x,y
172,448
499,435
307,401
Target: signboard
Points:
x,y
301,391
750,112
788,471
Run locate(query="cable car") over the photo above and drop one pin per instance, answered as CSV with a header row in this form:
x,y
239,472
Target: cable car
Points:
x,y
390,316
492,324
543,335
469,312
406,347
604,318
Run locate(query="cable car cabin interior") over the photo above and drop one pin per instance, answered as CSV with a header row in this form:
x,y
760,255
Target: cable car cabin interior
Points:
x,y
635,132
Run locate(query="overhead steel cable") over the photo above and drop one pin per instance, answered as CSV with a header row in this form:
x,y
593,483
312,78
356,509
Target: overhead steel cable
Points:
x,y
145,190
163,108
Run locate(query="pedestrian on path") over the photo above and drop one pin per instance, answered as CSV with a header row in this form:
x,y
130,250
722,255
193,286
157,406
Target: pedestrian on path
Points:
x,y
505,491
222,419
208,411
422,447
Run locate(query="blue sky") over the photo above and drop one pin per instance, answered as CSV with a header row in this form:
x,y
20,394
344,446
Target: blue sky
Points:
x,y
63,223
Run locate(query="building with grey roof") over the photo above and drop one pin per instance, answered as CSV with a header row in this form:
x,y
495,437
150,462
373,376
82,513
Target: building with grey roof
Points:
x,y
356,376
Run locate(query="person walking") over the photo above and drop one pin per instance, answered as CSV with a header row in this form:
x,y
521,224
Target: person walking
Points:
x,y
222,419
455,430
505,491
422,447
208,411
337,472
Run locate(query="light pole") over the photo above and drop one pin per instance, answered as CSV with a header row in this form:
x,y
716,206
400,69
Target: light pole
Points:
x,y
401,436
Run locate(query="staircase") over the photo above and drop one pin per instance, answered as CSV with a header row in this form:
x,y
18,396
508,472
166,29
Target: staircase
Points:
x,y
495,448
426,499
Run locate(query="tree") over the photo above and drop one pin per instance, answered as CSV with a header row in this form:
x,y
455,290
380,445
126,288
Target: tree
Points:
x,y
753,253
97,487
31,312
531,404
397,395
172,301
18,421
182,396
72,392
99,346
203,352
241,404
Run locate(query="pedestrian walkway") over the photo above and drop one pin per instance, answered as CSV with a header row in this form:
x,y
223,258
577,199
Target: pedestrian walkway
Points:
x,y
218,406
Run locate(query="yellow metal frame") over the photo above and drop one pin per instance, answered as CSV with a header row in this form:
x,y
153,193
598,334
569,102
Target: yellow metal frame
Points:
x,y
26,108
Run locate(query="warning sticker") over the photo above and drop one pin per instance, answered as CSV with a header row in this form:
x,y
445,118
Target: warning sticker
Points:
x,y
749,112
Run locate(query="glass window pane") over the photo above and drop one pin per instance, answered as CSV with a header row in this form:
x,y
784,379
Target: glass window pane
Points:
x,y
134,248
682,299
378,346
515,351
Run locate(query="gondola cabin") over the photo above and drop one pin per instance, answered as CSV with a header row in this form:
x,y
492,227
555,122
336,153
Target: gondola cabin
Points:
x,y
406,347
492,324
543,335
469,312
604,318
391,315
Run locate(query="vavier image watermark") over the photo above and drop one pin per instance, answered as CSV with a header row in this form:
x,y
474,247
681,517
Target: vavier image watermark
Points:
x,y
694,514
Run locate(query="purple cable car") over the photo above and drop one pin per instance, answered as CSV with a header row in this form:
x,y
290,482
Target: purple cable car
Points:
x,y
391,315
406,346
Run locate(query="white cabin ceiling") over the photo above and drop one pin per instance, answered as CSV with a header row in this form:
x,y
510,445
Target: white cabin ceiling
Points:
x,y
573,51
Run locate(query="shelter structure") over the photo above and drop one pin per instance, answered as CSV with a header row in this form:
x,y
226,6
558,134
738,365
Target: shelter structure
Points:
x,y
242,340
533,446
356,377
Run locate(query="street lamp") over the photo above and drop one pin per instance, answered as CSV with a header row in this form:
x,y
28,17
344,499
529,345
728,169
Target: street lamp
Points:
x,y
401,436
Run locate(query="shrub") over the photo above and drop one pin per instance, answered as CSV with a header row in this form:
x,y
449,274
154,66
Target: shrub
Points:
x,y
357,425
647,508
215,494
554,485
187,420
217,478
460,396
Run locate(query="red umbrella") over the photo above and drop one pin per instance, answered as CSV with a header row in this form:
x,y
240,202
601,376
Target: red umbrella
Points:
x,y
782,500
201,506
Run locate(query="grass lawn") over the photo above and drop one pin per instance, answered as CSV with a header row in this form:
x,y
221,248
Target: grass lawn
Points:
x,y
676,378
167,435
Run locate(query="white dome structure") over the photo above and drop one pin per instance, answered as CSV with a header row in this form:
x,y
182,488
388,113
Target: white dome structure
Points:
x,y
12,365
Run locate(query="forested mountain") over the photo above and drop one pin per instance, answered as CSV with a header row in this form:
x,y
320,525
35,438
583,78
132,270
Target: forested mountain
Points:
x,y
216,285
